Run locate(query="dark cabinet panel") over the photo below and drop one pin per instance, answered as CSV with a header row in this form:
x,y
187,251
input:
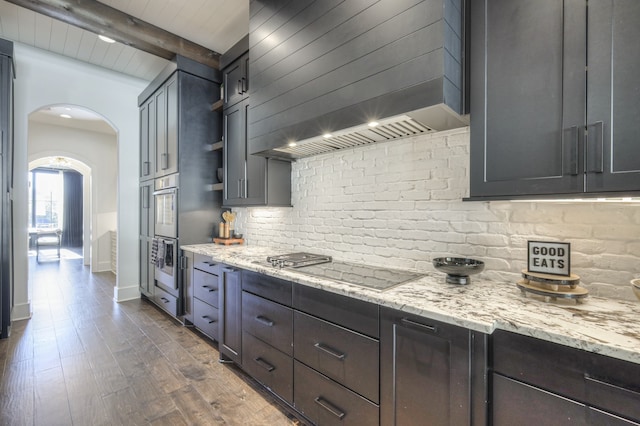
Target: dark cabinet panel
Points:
x,y
147,139
160,100
230,305
527,99
269,366
268,287
205,287
236,81
326,402
552,102
346,311
613,151
345,356
268,321
606,388
206,318
251,180
424,371
516,403
204,263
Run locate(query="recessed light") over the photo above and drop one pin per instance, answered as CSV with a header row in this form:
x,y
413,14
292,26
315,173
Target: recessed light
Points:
x,y
106,39
65,116
292,144
373,123
327,135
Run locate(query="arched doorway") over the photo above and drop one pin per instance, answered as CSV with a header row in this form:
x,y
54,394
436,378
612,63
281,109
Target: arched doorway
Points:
x,y
88,144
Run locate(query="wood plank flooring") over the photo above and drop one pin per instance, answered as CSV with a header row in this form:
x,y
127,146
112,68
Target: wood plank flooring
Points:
x,y
83,359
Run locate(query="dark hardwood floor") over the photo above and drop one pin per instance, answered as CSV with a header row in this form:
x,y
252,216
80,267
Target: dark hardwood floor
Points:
x,y
83,359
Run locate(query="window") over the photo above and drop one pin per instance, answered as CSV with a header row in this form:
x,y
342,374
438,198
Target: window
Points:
x,y
46,198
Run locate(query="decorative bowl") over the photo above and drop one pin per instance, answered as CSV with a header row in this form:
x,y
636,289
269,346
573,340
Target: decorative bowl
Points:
x,y
635,285
458,269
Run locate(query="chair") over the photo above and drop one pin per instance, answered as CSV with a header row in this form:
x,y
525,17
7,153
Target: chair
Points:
x,y
48,238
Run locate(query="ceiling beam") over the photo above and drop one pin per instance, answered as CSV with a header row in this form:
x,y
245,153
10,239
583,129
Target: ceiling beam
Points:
x,y
99,18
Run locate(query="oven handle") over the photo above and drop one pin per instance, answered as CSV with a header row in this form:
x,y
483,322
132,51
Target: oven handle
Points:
x,y
165,191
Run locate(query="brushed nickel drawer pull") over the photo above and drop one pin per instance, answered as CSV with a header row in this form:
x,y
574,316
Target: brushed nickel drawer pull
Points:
x,y
211,289
426,327
329,407
206,317
264,320
165,300
330,350
264,364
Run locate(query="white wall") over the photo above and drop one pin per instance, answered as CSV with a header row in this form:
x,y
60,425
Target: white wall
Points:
x,y
400,203
44,79
99,152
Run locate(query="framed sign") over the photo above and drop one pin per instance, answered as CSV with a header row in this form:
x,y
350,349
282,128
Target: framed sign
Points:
x,y
549,257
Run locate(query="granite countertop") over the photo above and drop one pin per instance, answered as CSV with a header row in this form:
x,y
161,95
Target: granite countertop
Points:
x,y
606,326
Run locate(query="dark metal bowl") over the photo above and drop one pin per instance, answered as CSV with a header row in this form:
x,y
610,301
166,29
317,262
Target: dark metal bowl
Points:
x,y
458,269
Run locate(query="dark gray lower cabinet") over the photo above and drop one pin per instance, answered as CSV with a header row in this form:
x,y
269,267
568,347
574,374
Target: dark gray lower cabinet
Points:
x,y
230,305
326,402
428,372
542,383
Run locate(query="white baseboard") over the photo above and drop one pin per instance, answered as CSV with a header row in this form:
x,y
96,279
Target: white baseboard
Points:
x,y
21,312
122,294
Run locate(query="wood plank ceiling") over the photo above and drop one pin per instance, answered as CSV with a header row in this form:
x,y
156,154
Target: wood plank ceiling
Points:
x,y
213,24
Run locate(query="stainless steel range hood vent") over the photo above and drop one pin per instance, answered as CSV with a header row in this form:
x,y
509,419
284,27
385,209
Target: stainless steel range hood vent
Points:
x,y
388,129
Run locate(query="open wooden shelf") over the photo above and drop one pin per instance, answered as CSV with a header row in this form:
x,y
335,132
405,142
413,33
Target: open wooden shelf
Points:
x,y
217,145
217,106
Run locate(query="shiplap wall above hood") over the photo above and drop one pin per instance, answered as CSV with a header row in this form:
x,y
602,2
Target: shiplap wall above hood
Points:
x,y
330,66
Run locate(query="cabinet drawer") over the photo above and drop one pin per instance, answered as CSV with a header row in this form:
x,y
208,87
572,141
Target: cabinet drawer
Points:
x,y
204,263
268,365
516,403
268,287
268,321
325,402
205,287
556,368
603,382
166,301
205,318
349,358
351,313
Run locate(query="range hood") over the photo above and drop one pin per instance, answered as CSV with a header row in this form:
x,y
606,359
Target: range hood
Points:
x,y
426,120
401,64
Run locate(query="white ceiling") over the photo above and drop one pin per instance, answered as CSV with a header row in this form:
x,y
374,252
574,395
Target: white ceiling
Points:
x,y
214,24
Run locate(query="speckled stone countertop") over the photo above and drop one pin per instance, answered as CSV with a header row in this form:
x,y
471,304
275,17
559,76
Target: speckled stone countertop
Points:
x,y
609,327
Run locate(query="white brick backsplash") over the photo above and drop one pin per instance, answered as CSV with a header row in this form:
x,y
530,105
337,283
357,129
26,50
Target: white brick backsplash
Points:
x,y
400,204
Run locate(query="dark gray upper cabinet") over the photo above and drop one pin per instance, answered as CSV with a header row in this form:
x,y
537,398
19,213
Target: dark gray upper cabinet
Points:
x,y
319,66
541,124
236,81
250,180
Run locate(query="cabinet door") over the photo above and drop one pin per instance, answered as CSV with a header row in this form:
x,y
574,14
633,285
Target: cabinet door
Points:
x,y
230,305
235,151
236,83
146,143
516,403
255,183
172,107
528,97
146,271
613,147
160,99
188,286
146,209
424,371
